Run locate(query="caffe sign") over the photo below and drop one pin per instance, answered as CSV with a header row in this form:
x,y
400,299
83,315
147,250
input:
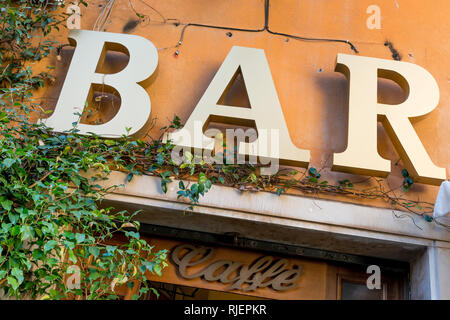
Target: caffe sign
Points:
x,y
265,271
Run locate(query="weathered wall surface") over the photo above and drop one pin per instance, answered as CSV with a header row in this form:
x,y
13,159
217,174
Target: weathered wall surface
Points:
x,y
313,97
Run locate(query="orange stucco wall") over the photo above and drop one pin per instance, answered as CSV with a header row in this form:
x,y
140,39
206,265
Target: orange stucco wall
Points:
x,y
313,97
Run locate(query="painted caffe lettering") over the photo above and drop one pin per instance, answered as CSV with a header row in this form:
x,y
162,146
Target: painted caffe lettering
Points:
x,y
262,272
364,110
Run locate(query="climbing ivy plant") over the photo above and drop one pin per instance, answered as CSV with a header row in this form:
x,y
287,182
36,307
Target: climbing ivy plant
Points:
x,y
55,236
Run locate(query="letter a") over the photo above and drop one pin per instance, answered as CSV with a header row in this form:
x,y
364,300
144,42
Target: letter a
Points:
x,y
91,47
361,155
265,109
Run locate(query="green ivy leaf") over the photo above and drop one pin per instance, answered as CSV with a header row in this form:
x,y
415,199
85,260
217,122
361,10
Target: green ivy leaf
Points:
x,y
129,177
18,274
13,217
157,270
8,162
95,251
6,204
72,256
313,179
13,282
50,245
202,178
27,232
164,186
405,173
79,237
15,231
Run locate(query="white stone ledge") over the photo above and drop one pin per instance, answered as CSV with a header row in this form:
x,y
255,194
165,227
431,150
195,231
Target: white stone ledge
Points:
x,y
291,210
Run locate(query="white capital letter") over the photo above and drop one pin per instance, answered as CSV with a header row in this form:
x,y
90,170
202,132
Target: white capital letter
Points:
x,y
91,47
265,109
361,155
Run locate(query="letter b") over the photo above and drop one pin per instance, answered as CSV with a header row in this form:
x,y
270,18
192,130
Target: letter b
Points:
x,y
91,47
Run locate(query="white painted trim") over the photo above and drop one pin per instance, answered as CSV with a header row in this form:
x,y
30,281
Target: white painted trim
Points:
x,y
434,272
304,212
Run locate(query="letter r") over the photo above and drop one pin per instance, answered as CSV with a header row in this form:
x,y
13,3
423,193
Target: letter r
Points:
x,y
361,155
91,47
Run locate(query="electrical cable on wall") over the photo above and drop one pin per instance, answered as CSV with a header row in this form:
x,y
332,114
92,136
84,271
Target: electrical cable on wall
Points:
x,y
265,28
103,16
159,13
165,20
106,12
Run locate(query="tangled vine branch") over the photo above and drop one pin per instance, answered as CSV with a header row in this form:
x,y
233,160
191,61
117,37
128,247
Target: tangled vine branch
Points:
x,y
154,158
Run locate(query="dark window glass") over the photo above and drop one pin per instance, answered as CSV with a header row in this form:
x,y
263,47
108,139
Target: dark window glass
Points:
x,y
359,291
